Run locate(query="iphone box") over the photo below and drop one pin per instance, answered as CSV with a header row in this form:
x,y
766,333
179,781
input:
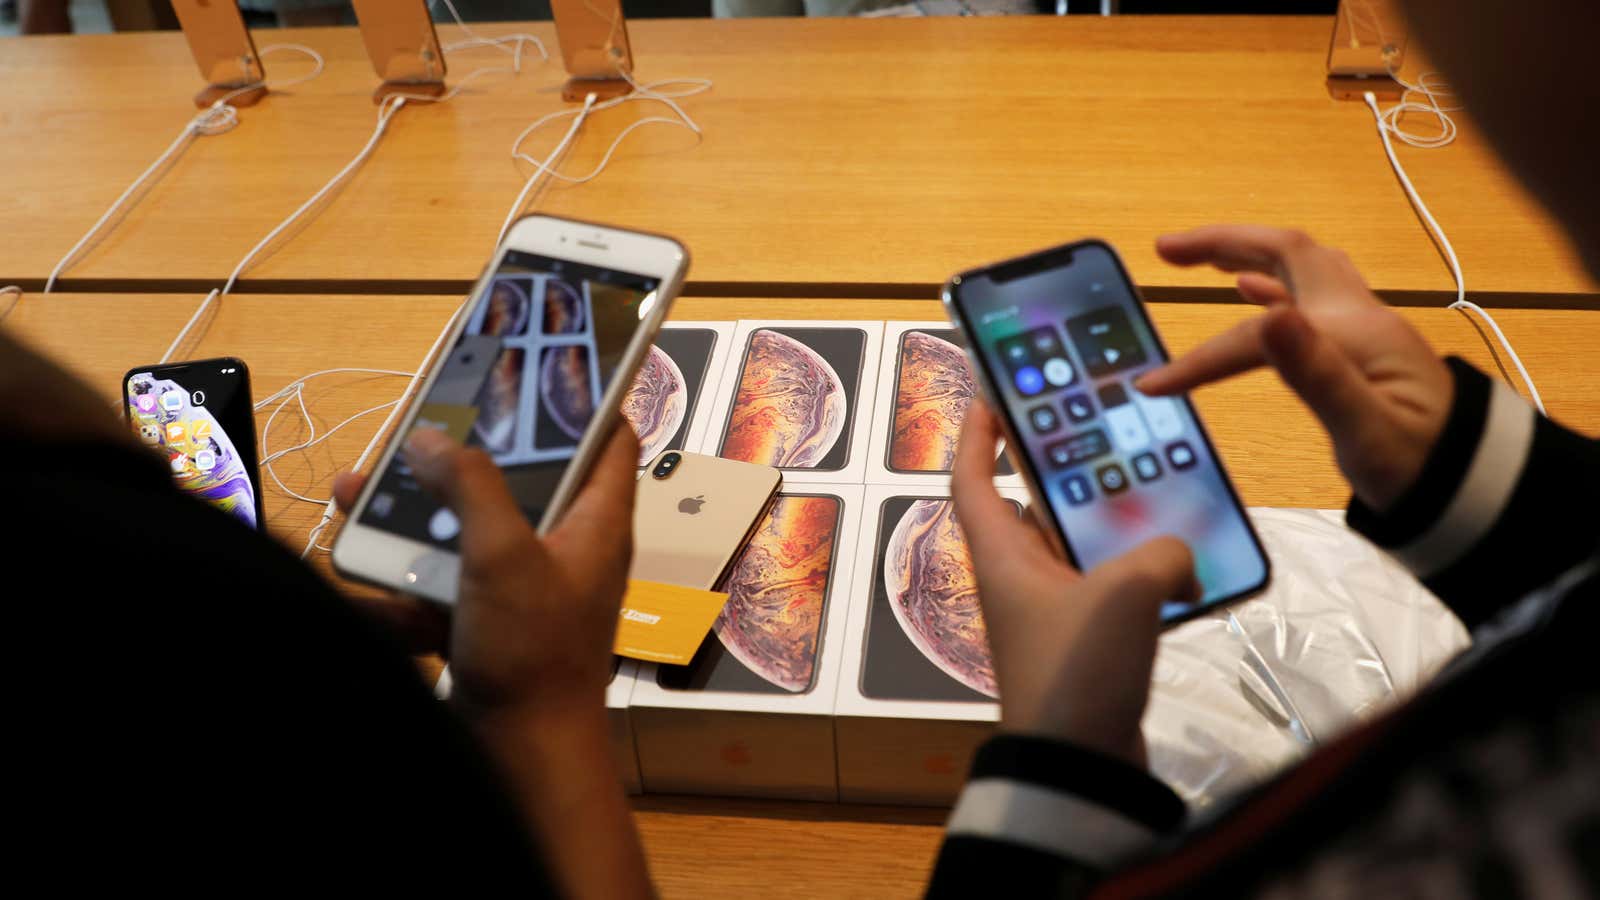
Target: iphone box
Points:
x,y
925,383
799,395
618,693
752,714
917,693
670,402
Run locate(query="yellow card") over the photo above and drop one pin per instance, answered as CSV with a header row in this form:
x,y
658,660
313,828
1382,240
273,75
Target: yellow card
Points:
x,y
665,623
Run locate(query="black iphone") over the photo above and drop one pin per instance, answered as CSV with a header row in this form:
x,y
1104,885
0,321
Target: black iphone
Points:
x,y
199,417
1058,338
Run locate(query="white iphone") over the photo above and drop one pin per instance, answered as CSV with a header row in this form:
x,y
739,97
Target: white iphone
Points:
x,y
536,367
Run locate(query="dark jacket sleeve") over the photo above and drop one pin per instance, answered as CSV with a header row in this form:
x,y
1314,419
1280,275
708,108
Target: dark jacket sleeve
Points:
x,y
1046,818
1507,500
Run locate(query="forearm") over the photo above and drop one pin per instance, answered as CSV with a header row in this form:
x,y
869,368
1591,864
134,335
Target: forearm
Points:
x,y
1504,503
560,765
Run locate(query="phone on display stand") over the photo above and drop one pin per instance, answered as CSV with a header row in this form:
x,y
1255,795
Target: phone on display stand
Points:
x,y
219,41
593,35
693,514
537,364
200,418
400,40
1057,338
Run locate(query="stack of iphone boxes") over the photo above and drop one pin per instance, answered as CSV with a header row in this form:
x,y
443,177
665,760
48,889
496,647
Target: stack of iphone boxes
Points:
x,y
859,670
752,713
917,692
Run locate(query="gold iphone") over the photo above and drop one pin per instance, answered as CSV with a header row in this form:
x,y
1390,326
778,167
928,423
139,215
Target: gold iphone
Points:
x,y
220,42
400,40
693,514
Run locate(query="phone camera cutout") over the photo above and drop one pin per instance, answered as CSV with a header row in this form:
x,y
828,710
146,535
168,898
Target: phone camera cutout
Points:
x,y
664,468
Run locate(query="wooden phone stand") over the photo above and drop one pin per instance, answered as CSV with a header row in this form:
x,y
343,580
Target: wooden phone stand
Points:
x,y
602,88
1351,87
1368,43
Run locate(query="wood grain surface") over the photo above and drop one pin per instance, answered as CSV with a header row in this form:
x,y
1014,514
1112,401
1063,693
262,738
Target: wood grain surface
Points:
x,y
838,157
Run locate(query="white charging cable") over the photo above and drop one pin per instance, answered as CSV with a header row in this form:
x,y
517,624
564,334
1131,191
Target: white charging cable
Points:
x,y
294,392
218,118
653,91
543,168
331,505
386,111
1388,123
474,40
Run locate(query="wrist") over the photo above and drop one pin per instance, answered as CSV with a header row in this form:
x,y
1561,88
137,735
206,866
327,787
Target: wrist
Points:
x,y
1382,476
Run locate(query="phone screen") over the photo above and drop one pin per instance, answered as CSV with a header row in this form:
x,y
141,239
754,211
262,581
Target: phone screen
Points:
x,y
1062,337
198,416
540,346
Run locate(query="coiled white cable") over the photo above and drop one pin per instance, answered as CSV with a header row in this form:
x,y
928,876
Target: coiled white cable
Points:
x,y
331,506
1388,123
218,118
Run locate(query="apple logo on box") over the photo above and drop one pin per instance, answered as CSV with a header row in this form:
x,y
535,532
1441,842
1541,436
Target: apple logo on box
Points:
x,y
691,505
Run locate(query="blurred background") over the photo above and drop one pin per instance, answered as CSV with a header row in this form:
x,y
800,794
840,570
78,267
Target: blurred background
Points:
x,y
91,16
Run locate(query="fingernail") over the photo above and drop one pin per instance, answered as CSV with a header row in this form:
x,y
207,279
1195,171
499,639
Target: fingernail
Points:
x,y
424,445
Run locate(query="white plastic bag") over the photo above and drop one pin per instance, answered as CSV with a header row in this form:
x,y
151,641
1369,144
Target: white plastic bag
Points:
x,y
1342,632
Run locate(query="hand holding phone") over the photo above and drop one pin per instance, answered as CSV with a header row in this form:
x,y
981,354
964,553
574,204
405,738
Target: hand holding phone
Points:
x,y
537,366
1072,652
1058,339
535,617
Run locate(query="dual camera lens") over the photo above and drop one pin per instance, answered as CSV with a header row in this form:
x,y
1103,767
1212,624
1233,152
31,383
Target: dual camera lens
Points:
x,y
665,465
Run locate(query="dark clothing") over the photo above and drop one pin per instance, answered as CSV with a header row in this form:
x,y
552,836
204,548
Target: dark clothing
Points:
x,y
1486,784
202,713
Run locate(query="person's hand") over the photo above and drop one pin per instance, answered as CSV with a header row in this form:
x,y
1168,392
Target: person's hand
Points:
x,y
534,619
530,652
1072,652
1381,392
422,627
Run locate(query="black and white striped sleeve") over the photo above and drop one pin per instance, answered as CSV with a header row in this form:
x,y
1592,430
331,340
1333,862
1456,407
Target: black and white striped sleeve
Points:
x,y
1046,818
1507,500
